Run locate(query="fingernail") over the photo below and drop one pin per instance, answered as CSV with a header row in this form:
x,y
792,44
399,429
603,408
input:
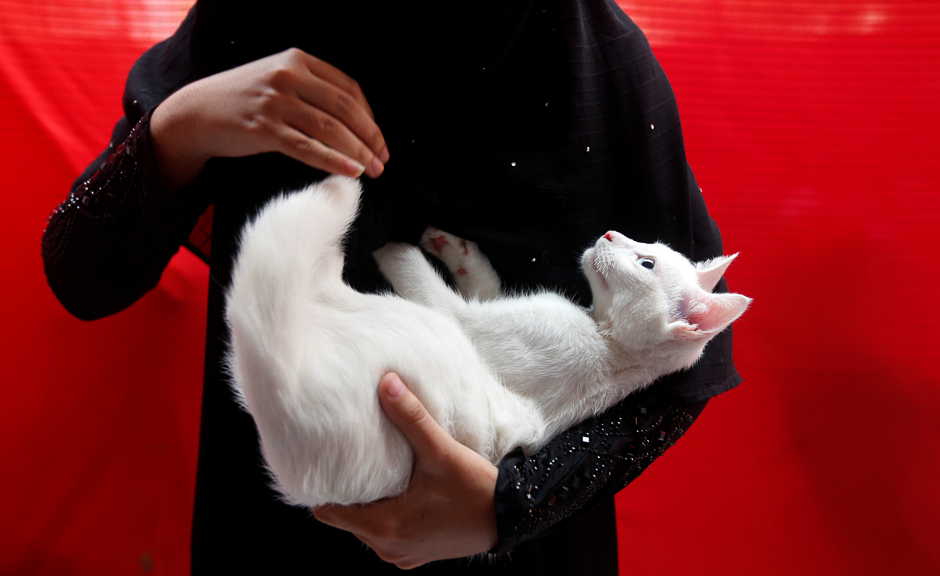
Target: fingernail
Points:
x,y
383,155
354,168
377,167
395,388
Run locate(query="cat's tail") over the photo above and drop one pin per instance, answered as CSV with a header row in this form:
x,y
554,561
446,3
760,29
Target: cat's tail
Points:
x,y
290,256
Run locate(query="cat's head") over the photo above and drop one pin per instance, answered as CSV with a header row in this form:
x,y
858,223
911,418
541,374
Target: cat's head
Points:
x,y
650,297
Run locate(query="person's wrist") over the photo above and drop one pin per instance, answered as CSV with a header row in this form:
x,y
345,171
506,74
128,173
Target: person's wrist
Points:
x,y
488,534
176,149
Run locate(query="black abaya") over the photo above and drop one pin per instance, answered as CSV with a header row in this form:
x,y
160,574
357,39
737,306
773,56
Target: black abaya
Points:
x,y
530,128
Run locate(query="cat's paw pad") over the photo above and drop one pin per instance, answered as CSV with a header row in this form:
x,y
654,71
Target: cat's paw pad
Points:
x,y
447,247
472,271
436,241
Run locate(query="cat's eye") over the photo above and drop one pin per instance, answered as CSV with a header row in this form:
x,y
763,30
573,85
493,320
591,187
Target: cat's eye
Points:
x,y
647,263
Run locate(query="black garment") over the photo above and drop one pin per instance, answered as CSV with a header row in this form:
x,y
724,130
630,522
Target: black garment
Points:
x,y
531,128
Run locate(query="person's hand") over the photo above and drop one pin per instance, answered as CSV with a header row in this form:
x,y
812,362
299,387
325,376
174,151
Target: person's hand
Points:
x,y
448,510
289,102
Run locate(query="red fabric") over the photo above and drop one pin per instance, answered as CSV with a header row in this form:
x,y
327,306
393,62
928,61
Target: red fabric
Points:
x,y
812,130
98,469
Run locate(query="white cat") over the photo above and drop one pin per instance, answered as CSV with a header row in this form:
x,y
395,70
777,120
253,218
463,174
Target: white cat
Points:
x,y
495,371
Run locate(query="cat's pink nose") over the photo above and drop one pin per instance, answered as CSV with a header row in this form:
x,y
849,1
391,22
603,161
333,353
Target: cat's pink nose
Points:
x,y
609,235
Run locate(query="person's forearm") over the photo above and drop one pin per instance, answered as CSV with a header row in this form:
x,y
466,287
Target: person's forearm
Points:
x,y
539,494
107,244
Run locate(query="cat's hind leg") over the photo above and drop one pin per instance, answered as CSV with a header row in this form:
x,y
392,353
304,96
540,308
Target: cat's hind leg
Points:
x,y
473,273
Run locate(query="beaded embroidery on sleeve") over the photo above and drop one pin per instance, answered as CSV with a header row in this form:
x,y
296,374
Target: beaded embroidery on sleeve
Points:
x,y
584,465
117,189
108,242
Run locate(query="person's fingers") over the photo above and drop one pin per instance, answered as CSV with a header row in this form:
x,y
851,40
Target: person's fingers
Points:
x,y
374,522
344,100
324,103
334,76
376,527
312,152
334,133
321,94
409,415
356,518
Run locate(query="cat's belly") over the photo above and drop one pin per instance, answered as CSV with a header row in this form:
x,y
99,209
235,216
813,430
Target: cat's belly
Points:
x,y
352,346
322,429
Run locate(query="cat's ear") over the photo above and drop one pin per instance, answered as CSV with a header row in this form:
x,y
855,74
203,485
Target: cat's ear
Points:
x,y
708,314
711,271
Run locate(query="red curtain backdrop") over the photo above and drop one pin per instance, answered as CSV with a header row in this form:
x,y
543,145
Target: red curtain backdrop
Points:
x,y
811,127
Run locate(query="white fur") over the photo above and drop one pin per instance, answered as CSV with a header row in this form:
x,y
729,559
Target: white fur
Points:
x,y
496,372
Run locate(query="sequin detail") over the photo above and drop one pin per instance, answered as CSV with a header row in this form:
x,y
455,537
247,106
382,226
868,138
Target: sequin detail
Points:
x,y
96,198
601,455
106,245
111,210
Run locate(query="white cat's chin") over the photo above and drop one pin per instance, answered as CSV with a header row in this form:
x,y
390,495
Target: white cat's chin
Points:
x,y
601,294
599,276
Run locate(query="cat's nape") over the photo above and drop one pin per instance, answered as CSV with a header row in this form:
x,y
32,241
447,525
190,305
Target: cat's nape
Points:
x,y
495,371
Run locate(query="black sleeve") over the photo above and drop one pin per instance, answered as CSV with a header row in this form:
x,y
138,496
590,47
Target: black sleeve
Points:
x,y
107,244
542,493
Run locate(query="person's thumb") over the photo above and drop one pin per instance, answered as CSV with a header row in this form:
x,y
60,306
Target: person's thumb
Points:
x,y
409,415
